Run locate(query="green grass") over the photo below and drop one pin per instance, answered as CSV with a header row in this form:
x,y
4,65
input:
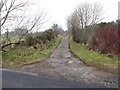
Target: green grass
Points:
x,y
27,55
94,58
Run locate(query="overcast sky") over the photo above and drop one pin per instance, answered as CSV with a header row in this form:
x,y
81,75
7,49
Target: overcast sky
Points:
x,y
58,10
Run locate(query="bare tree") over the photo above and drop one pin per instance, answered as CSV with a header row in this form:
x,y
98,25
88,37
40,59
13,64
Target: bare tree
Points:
x,y
73,24
89,14
58,29
24,24
8,6
85,15
97,13
83,12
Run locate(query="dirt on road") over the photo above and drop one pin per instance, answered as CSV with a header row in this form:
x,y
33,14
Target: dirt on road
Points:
x,y
63,65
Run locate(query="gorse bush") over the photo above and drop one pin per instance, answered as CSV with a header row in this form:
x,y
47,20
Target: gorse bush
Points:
x,y
49,34
41,38
30,40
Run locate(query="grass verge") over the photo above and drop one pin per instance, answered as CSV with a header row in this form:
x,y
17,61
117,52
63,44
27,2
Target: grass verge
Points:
x,y
27,55
94,58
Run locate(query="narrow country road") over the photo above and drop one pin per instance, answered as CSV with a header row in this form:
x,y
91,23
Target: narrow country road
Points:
x,y
63,65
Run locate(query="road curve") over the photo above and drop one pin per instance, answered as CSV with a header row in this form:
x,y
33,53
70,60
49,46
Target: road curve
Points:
x,y
18,79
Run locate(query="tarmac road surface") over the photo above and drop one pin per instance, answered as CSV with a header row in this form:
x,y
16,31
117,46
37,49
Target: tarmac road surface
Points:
x,y
19,79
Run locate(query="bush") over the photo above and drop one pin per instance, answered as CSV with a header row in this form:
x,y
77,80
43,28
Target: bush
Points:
x,y
43,38
31,41
106,40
